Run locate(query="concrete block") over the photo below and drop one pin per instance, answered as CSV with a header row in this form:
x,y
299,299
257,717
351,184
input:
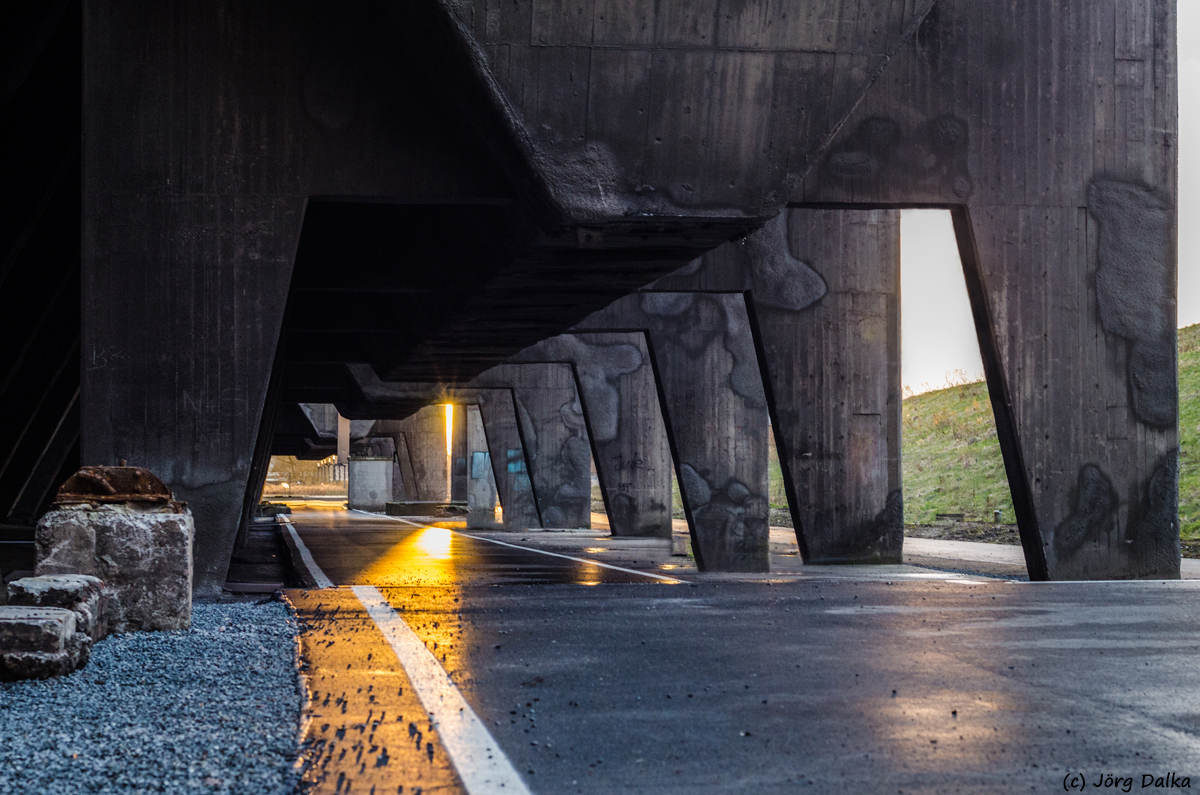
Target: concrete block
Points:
x,y
82,594
40,642
370,483
143,553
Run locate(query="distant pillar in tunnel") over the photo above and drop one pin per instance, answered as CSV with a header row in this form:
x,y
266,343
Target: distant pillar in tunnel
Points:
x,y
629,440
481,482
370,484
554,438
716,416
514,488
824,290
421,451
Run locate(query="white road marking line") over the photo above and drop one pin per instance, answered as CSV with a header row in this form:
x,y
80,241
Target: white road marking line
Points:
x,y
318,576
481,766
530,549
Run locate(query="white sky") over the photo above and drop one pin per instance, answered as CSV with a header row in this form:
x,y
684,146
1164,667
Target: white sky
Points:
x,y
937,333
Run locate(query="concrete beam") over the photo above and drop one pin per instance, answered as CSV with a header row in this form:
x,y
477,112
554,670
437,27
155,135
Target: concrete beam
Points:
x,y
629,440
716,416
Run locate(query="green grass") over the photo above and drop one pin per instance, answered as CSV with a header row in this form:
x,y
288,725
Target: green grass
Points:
x,y
1189,432
952,458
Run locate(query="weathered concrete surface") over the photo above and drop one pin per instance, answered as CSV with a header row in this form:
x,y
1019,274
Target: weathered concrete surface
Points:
x,y
1065,172
629,440
481,482
142,554
40,642
554,438
370,484
82,594
514,488
825,289
716,416
287,104
404,479
420,443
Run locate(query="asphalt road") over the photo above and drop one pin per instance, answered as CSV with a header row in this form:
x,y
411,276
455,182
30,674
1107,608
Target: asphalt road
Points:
x,y
835,679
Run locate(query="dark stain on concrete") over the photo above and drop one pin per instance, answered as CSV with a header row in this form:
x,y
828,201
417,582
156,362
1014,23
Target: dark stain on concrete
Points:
x,y
889,528
777,278
1134,288
731,528
1095,501
1154,534
878,154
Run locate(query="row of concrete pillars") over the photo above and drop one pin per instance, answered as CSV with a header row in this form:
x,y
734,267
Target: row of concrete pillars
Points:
x,y
799,323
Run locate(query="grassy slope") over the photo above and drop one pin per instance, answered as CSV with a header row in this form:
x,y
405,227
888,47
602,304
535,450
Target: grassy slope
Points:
x,y
952,458
1189,431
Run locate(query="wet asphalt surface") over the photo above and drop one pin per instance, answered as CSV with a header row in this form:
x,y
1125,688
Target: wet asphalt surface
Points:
x,y
835,681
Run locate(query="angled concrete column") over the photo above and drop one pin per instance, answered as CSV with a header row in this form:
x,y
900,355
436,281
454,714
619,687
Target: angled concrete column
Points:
x,y
481,483
404,479
554,437
716,416
1059,161
1089,388
824,289
421,447
498,412
625,425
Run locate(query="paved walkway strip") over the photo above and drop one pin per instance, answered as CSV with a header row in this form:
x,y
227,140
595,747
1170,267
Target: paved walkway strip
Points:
x,y
534,549
477,758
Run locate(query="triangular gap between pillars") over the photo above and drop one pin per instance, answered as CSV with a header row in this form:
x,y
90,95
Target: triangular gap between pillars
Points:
x,y
957,445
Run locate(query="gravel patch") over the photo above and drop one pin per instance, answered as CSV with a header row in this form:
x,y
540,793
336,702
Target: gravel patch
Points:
x,y
215,709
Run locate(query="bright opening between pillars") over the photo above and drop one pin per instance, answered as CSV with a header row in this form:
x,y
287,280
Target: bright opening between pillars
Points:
x,y
953,473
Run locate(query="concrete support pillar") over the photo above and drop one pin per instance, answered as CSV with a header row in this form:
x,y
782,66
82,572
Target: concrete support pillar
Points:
x,y
481,483
716,416
1085,393
421,450
629,441
823,286
554,438
1062,174
514,488
403,478
370,484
